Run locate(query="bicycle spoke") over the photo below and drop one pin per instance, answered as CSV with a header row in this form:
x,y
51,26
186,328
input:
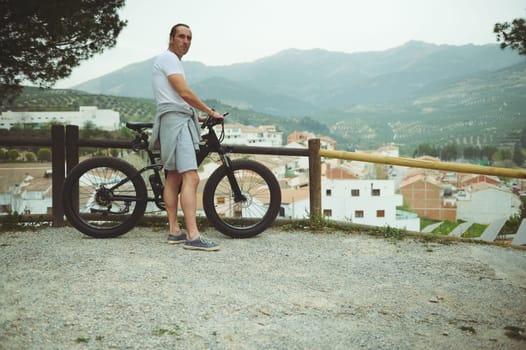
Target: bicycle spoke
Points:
x,y
103,197
97,192
253,188
260,199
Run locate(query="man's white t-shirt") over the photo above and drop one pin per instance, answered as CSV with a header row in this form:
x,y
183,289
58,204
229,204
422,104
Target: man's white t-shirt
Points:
x,y
167,63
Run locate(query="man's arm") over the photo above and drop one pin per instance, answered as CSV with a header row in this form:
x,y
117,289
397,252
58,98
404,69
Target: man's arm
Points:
x,y
178,83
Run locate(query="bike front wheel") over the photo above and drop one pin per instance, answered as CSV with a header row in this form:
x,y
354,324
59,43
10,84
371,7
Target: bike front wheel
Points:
x,y
255,212
104,197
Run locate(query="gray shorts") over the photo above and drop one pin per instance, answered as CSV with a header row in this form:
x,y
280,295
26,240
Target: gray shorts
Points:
x,y
182,157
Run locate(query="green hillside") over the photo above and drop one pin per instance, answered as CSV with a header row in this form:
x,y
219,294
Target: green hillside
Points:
x,y
142,109
35,99
485,109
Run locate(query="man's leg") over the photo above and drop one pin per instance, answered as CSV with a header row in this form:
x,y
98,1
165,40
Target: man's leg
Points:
x,y
188,199
171,197
189,202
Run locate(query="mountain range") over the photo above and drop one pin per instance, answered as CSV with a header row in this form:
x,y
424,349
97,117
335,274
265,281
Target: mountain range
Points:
x,y
472,95
303,82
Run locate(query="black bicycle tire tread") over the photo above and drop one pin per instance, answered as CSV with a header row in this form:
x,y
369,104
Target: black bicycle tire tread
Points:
x,y
268,219
83,167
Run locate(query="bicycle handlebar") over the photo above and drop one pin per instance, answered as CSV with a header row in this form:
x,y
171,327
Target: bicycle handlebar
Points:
x,y
209,122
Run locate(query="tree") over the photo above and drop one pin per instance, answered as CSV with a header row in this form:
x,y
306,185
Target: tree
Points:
x,y
449,152
89,130
309,124
12,155
30,157
41,41
512,35
44,155
523,138
502,154
471,152
488,152
518,157
425,149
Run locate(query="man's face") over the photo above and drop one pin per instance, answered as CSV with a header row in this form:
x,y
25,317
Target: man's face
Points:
x,y
180,42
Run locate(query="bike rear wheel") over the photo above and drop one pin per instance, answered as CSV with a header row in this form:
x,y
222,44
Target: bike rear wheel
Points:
x,y
104,197
254,214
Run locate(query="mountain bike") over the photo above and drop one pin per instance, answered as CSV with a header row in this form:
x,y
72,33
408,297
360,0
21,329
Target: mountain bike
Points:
x,y
106,197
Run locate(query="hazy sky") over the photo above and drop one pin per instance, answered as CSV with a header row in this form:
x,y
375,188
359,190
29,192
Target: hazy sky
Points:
x,y
234,31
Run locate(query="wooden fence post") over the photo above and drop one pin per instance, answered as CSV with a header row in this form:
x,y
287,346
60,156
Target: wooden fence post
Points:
x,y
72,157
315,181
58,161
72,146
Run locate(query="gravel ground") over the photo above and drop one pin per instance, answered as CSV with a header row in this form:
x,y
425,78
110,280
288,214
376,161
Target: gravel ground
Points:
x,y
281,290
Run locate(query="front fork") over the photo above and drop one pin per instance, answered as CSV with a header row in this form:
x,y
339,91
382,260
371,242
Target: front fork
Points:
x,y
238,196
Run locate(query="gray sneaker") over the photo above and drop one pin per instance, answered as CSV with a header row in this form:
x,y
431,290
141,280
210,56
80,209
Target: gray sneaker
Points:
x,y
176,239
201,244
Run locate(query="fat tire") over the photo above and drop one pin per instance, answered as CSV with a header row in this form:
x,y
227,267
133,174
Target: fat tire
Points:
x,y
128,222
258,171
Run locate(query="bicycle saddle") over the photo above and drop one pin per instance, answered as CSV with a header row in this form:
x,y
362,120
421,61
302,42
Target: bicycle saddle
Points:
x,y
138,125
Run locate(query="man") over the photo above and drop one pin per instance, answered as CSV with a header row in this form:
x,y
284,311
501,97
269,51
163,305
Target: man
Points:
x,y
176,130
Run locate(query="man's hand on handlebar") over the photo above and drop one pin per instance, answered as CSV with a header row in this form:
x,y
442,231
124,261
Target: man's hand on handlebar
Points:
x,y
214,115
217,115
212,119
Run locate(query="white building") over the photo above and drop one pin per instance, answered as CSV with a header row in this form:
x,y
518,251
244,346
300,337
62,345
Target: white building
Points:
x,y
265,135
102,118
297,165
30,196
303,137
367,202
391,150
484,203
295,203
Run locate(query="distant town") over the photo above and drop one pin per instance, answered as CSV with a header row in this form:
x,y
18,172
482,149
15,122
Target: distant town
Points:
x,y
352,191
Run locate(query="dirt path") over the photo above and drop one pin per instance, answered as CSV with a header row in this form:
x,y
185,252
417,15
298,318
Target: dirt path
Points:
x,y
281,290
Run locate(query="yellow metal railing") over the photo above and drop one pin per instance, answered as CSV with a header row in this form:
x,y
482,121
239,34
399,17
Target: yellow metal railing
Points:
x,y
427,164
315,154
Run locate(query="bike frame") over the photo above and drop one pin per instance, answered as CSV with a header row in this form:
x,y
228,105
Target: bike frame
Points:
x,y
211,144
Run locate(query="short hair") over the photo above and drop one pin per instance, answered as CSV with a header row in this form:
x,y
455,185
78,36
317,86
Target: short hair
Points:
x,y
174,28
